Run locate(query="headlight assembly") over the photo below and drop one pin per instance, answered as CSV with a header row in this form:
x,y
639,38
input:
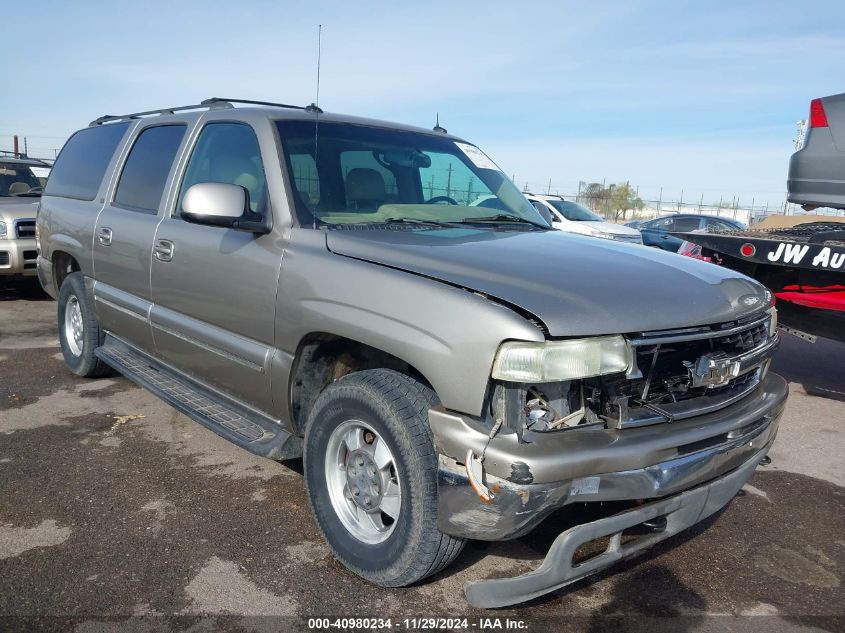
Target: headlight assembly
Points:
x,y
3,233
522,361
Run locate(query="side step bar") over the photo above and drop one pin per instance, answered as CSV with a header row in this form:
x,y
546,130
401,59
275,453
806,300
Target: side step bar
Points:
x,y
256,433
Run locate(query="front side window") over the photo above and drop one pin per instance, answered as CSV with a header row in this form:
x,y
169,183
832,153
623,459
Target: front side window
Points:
x,y
227,153
661,224
145,173
82,163
356,174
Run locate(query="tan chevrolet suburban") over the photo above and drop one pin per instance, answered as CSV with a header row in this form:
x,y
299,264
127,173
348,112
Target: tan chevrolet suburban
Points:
x,y
318,285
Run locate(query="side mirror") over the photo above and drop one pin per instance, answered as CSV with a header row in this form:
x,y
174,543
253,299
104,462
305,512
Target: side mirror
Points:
x,y
556,219
222,204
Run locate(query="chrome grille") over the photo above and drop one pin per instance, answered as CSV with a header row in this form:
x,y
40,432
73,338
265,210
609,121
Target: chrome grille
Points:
x,y
662,386
633,239
25,229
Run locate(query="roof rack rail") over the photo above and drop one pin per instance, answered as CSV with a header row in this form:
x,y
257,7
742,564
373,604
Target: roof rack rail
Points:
x,y
43,162
213,102
309,108
108,118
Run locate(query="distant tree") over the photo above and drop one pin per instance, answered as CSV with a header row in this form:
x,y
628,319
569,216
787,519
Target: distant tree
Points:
x,y
621,199
592,195
612,201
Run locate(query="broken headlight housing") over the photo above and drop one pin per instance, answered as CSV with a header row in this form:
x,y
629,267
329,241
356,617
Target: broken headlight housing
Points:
x,y
554,361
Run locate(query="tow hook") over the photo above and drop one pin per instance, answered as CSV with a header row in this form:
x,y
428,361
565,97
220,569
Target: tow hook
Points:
x,y
765,461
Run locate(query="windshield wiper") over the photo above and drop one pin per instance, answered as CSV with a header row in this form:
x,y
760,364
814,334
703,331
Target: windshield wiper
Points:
x,y
415,221
505,218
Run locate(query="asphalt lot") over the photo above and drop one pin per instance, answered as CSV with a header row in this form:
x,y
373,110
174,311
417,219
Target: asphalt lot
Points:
x,y
116,513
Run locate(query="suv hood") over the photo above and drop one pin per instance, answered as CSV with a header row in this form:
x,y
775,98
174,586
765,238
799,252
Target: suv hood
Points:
x,y
17,208
609,227
575,285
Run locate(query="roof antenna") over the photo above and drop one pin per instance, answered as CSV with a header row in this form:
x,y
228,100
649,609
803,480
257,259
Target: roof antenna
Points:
x,y
317,111
315,107
437,127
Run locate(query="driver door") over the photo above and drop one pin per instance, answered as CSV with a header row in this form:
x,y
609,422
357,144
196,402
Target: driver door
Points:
x,y
214,288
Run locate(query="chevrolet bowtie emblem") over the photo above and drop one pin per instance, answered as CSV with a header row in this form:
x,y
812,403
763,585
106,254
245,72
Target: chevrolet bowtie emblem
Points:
x,y
712,370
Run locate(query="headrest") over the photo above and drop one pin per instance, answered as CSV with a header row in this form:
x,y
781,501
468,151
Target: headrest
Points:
x,y
364,185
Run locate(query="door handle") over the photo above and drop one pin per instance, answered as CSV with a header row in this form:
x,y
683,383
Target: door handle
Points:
x,y
163,250
104,237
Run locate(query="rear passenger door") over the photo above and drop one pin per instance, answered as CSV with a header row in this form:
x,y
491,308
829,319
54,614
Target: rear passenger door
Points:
x,y
214,288
124,233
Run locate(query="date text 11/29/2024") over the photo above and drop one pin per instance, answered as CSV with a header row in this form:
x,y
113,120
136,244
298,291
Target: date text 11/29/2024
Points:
x,y
417,624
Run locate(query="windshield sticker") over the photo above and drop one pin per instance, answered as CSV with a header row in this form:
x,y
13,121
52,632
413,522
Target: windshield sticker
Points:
x,y
478,158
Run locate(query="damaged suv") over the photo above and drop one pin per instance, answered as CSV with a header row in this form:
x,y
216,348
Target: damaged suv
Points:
x,y
316,285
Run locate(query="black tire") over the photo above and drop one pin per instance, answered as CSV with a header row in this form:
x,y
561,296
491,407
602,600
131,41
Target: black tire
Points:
x,y
85,363
396,407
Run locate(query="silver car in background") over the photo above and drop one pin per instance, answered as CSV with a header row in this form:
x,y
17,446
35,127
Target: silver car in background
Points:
x,y
817,170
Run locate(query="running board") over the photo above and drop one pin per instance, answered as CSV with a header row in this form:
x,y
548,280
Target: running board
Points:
x,y
248,429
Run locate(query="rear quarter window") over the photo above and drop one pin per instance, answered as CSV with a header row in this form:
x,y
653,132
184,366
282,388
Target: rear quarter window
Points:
x,y
82,163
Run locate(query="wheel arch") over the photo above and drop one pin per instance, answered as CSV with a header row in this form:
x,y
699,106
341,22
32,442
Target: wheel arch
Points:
x,y
323,357
63,264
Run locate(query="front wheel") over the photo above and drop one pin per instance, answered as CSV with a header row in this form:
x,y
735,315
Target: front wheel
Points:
x,y
371,474
79,332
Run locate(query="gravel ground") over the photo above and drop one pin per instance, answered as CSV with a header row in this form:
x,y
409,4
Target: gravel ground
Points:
x,y
118,513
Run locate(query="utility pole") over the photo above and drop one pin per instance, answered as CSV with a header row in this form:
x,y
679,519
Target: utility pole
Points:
x,y
681,203
449,182
549,190
25,148
469,189
660,201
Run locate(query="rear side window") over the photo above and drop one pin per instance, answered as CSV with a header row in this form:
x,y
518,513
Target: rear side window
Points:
x,y
147,167
80,167
686,224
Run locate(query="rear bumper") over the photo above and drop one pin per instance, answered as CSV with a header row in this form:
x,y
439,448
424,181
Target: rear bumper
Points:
x,y
558,570
18,257
816,172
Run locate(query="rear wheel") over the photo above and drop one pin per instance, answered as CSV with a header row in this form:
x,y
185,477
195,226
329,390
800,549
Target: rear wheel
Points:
x,y
371,474
79,332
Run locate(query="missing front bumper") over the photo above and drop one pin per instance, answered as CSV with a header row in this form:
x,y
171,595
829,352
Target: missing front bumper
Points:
x,y
558,569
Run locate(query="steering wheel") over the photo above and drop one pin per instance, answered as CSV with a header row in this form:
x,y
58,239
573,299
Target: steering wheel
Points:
x,y
441,200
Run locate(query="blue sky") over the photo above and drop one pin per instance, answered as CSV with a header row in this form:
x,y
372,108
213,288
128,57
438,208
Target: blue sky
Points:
x,y
699,96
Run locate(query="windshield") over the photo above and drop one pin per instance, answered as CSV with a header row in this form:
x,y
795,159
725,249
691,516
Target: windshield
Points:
x,y
370,175
574,211
17,179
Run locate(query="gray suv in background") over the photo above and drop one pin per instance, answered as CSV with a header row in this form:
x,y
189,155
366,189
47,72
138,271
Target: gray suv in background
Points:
x,y
310,284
